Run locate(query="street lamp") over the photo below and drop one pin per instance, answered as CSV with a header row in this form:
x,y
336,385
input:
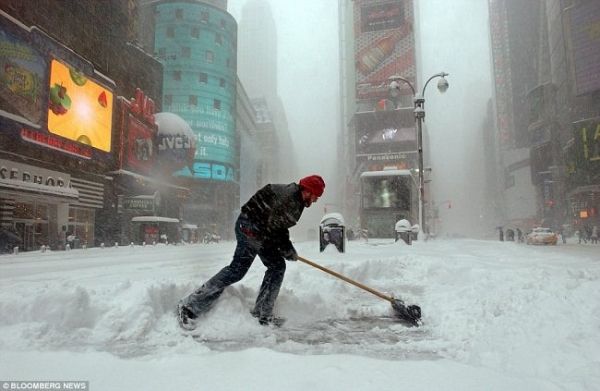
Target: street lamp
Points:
x,y
419,102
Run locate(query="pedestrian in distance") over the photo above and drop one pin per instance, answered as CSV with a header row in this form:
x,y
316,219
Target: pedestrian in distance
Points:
x,y
594,236
262,229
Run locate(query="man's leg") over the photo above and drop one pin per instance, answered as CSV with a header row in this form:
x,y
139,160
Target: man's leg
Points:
x,y
202,300
269,289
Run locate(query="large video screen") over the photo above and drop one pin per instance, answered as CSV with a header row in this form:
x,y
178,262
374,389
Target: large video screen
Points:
x,y
385,132
79,109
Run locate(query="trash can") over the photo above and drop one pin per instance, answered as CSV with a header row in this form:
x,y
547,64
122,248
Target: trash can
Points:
x,y
415,232
332,230
403,231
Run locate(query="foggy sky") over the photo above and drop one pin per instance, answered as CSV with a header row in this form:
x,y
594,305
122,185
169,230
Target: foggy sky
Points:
x,y
454,37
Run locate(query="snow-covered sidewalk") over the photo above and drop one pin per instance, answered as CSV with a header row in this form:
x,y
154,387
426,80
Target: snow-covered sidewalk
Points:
x,y
497,316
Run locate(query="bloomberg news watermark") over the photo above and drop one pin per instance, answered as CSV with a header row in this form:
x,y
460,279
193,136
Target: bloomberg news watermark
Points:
x,y
44,385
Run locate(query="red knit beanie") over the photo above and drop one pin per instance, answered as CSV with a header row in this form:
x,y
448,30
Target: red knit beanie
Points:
x,y
314,184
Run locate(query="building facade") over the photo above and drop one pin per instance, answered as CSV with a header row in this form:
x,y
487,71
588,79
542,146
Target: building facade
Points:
x,y
546,109
197,43
77,130
377,41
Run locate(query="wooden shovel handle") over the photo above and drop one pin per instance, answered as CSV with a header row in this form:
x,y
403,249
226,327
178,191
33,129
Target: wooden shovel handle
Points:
x,y
348,280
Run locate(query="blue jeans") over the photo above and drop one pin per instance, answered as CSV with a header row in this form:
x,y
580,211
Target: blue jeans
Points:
x,y
249,245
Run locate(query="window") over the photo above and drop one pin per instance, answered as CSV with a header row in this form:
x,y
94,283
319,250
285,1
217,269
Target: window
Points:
x,y
203,78
222,83
168,100
204,16
170,32
218,39
195,32
193,100
210,57
162,53
223,25
177,75
228,63
178,14
186,52
217,104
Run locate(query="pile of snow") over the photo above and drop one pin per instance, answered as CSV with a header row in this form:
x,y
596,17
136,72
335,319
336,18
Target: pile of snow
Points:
x,y
496,316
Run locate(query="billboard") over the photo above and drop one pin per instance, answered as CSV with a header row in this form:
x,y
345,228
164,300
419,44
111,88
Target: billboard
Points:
x,y
22,75
79,109
586,155
140,147
385,132
585,37
138,132
384,45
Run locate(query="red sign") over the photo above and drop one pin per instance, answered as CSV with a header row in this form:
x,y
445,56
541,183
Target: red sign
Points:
x,y
138,130
54,142
140,145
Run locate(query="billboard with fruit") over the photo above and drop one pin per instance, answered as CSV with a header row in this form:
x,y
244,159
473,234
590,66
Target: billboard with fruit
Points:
x,y
79,108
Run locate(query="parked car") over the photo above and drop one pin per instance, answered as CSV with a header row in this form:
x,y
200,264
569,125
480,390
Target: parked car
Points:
x,y
542,235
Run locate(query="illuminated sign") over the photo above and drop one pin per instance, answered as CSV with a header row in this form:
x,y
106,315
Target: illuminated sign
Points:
x,y
138,129
384,46
382,132
381,16
50,141
205,170
25,173
140,147
22,73
78,108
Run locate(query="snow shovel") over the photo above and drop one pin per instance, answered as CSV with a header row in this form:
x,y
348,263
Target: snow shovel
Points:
x,y
410,315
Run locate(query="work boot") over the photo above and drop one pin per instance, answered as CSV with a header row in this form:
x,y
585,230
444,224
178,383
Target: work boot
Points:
x,y
186,317
276,321
265,320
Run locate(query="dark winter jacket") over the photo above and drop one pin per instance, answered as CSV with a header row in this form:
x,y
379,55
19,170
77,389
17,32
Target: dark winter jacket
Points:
x,y
273,210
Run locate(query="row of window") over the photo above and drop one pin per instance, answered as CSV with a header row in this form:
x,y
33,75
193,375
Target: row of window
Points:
x,y
186,52
204,17
202,78
192,101
195,33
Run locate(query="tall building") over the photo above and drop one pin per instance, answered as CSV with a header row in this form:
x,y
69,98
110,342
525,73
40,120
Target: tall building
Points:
x,y
257,69
515,35
570,99
377,41
197,43
544,58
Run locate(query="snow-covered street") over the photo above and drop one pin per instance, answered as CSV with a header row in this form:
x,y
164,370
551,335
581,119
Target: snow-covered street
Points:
x,y
497,316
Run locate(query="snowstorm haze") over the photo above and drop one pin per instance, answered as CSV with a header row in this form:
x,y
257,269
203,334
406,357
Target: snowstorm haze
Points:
x,y
308,84
452,37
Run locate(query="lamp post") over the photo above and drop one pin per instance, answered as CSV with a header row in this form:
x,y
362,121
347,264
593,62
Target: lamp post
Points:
x,y
419,102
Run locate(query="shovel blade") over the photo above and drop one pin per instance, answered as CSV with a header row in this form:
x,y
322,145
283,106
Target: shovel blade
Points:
x,y
411,314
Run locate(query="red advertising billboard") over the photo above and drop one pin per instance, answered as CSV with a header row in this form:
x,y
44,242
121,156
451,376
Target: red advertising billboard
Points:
x,y
384,45
138,133
140,146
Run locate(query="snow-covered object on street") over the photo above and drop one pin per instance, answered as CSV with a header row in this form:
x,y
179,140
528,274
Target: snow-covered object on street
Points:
x,y
176,142
496,316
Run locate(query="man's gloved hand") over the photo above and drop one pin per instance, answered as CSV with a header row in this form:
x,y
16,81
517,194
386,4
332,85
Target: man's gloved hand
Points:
x,y
290,253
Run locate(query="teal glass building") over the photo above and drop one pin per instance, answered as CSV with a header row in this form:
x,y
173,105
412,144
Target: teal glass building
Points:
x,y
197,44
